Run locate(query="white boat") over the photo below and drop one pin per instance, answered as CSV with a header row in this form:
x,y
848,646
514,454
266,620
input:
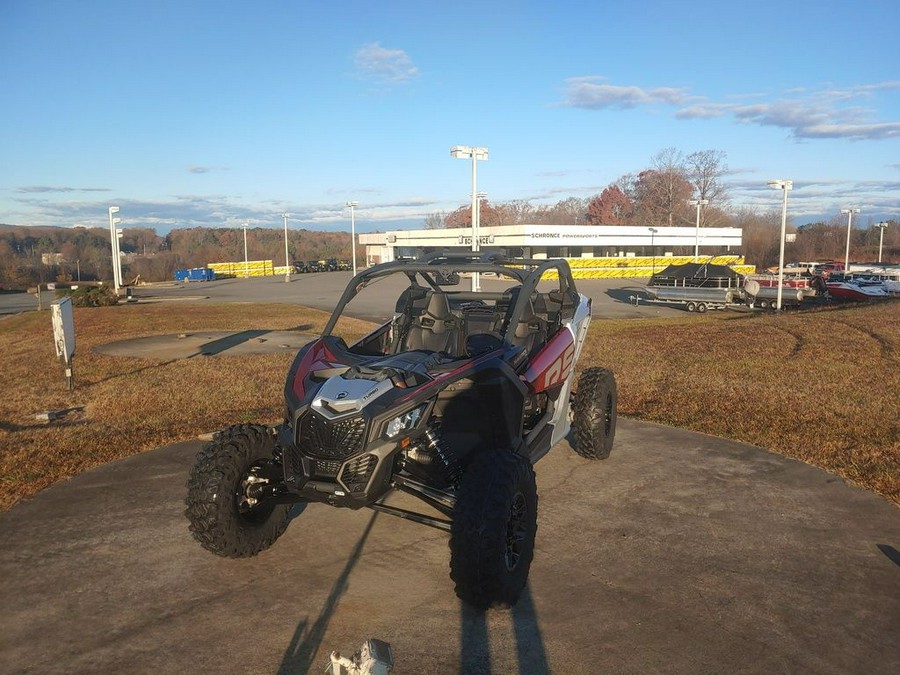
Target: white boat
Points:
x,y
850,287
889,275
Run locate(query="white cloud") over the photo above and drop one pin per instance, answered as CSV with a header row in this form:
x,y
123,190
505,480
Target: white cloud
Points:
x,y
384,66
808,114
590,92
205,168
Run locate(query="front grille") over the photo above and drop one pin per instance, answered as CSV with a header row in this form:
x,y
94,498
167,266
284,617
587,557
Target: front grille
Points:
x,y
326,468
356,473
331,439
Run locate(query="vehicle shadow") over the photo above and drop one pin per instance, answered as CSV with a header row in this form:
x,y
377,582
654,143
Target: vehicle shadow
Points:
x,y
475,652
891,553
223,344
307,638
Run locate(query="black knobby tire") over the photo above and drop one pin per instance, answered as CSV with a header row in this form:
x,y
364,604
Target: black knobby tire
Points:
x,y
220,518
493,530
594,413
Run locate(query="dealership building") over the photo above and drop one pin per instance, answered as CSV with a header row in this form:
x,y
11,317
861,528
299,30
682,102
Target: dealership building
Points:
x,y
596,246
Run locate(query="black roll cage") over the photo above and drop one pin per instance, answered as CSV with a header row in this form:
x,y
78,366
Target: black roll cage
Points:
x,y
434,266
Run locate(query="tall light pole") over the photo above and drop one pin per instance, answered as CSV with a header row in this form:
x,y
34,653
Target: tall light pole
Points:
x,y
784,186
849,213
882,227
698,203
653,232
352,206
287,261
246,262
114,244
473,153
119,234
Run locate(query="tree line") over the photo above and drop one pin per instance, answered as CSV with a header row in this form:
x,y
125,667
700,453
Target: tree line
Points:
x,y
665,195
659,196
30,255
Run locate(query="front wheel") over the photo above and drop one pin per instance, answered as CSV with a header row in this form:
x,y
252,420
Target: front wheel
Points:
x,y
493,530
594,413
225,514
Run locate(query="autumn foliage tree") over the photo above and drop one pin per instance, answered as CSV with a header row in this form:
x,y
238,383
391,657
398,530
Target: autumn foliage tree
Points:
x,y
610,207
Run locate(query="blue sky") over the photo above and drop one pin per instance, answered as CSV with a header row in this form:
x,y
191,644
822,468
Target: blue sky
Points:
x,y
214,113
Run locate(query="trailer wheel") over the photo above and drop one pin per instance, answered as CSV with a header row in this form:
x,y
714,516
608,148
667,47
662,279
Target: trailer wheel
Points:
x,y
701,308
764,304
691,306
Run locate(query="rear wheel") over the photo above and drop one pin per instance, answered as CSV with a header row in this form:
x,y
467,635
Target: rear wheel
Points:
x,y
691,306
701,307
225,514
594,413
493,530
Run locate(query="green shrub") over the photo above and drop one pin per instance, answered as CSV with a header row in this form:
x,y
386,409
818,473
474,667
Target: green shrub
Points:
x,y
90,296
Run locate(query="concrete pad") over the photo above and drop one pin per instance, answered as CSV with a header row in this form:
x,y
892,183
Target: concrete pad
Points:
x,y
680,553
208,343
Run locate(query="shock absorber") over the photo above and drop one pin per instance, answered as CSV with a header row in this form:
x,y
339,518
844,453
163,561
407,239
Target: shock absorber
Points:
x,y
437,446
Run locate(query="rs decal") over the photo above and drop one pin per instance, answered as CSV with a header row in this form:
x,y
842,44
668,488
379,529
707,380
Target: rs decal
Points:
x,y
559,369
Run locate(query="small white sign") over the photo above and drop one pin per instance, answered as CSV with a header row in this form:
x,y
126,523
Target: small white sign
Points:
x,y
63,329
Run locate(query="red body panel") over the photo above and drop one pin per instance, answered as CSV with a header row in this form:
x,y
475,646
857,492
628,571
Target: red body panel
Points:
x,y
317,358
552,365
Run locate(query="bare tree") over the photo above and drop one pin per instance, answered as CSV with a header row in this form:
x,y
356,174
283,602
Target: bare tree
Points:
x,y
516,212
705,169
661,192
435,221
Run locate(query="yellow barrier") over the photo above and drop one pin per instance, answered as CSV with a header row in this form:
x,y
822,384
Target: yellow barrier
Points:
x,y
660,262
252,268
602,271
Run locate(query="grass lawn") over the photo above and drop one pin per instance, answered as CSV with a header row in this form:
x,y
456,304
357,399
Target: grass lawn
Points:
x,y
819,386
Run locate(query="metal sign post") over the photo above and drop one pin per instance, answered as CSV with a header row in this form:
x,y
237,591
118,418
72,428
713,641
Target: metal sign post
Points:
x,y
64,335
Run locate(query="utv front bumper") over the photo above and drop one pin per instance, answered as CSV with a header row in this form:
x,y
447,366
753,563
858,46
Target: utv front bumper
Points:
x,y
329,461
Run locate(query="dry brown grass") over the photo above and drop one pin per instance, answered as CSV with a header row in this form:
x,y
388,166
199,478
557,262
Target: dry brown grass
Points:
x,y
130,405
821,387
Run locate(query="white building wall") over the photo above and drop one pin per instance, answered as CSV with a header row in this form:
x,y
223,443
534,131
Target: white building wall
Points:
x,y
593,240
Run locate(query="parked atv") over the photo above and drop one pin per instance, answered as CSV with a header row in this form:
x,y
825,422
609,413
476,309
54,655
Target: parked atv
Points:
x,y
451,401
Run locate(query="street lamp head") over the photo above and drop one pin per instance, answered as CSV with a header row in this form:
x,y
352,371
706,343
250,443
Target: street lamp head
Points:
x,y
653,230
113,209
467,152
847,211
352,204
882,226
285,215
781,184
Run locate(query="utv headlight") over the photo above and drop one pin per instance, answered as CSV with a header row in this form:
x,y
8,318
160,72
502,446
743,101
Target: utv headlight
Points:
x,y
404,422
